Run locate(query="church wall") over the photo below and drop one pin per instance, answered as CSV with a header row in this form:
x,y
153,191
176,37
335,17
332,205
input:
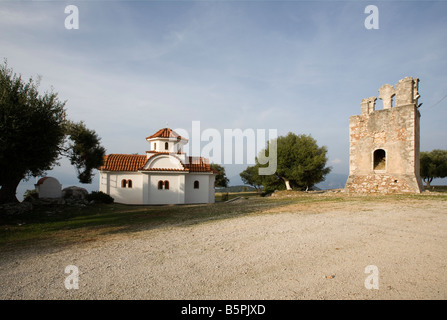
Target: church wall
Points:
x,y
200,195
127,194
165,162
175,194
211,189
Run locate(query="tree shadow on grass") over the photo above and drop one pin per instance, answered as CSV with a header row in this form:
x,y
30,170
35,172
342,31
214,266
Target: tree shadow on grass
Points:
x,y
66,226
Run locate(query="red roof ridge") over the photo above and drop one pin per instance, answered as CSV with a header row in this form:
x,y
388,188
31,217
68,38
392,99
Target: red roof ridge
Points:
x,y
164,169
41,180
166,133
165,152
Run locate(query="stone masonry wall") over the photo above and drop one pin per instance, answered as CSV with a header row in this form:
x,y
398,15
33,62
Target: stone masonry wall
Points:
x,y
380,183
394,131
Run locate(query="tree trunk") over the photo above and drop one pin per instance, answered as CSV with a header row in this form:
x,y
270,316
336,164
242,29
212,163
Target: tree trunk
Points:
x,y
287,184
8,191
427,182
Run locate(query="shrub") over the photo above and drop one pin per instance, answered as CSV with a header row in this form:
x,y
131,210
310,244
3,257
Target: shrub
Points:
x,y
100,197
30,195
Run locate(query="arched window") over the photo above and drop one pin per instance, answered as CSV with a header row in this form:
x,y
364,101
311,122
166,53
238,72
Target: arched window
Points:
x,y
166,185
196,184
155,146
123,183
166,146
129,183
379,159
160,185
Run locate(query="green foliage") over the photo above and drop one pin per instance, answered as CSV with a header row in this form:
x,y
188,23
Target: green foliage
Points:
x,y
83,150
30,194
251,177
300,162
100,197
221,178
433,165
225,196
33,130
239,188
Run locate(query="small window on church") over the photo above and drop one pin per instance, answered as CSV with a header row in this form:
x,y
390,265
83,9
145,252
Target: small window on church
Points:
x,y
196,184
129,183
166,146
123,183
155,146
160,185
166,185
379,159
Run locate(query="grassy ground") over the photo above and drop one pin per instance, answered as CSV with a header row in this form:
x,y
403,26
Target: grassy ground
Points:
x,y
220,196
65,225
438,188
71,224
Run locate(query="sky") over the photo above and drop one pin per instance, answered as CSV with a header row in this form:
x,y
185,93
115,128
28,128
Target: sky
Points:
x,y
134,67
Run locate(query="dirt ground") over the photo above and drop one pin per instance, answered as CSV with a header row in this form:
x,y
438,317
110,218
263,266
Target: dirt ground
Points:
x,y
338,250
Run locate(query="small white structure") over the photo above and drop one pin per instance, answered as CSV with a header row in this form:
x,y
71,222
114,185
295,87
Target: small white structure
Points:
x,y
48,187
164,175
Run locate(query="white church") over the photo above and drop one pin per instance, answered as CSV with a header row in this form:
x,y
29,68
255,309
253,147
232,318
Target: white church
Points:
x,y
164,175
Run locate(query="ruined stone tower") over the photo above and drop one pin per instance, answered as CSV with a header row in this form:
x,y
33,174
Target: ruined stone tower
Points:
x,y
384,144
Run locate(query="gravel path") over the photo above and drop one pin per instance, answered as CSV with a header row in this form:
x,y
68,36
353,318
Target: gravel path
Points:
x,y
315,252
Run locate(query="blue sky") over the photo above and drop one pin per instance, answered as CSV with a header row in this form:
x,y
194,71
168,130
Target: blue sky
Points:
x,y
294,66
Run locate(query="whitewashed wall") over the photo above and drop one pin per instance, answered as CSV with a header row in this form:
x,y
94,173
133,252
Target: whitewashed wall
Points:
x,y
50,188
164,161
200,195
212,189
145,187
175,194
126,195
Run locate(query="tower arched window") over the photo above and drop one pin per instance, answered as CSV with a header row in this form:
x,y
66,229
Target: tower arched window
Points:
x,y
166,185
196,184
166,146
160,185
129,183
379,159
123,183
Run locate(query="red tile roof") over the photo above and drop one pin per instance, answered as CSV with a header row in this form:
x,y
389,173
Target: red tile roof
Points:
x,y
164,152
166,133
198,164
123,162
41,180
134,162
163,169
